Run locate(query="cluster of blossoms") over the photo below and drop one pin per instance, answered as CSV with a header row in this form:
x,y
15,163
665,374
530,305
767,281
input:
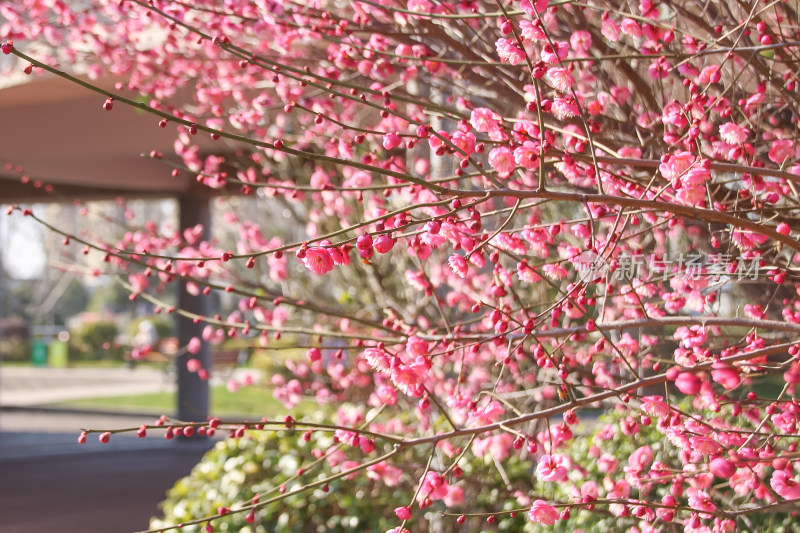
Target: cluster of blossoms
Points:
x,y
446,167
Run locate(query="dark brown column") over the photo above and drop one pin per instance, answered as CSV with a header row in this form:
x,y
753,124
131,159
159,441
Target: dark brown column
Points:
x,y
193,393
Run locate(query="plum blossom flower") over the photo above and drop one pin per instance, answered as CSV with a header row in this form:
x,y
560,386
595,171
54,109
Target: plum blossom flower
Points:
x,y
581,41
434,486
647,9
642,457
781,150
318,260
377,359
565,108
420,6
409,378
454,497
659,69
785,485
733,133
416,346
554,271
746,239
530,31
551,54
705,445
139,282
435,141
709,74
655,406
561,79
695,176
528,274
674,114
610,30
509,52
607,463
484,119
464,141
386,394
543,513
631,27
533,7
722,468
673,165
700,500
390,475
551,468
527,155
458,264
691,195
417,280
502,160
486,414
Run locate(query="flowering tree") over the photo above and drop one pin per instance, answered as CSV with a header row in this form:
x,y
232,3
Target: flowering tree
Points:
x,y
513,213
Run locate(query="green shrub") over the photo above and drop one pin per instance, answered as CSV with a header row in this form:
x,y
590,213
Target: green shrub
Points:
x,y
96,340
236,469
164,326
15,351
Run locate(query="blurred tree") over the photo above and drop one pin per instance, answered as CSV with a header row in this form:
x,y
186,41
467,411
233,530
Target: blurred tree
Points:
x,y
73,301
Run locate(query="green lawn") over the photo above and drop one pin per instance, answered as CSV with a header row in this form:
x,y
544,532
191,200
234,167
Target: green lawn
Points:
x,y
248,401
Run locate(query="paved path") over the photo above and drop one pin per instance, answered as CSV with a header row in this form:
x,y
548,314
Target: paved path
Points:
x,y
49,482
27,386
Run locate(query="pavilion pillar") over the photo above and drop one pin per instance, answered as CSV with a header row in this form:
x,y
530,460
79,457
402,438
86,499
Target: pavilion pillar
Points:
x,y
193,392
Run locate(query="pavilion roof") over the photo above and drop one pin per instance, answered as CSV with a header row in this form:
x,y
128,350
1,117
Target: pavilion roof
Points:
x,y
59,134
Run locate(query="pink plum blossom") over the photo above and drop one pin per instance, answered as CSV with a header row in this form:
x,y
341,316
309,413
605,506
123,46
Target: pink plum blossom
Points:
x,y
509,52
502,160
785,485
527,155
733,133
781,150
551,468
561,79
318,260
543,513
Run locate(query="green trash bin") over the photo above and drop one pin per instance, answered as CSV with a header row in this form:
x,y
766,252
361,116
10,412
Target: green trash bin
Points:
x,y
58,354
39,353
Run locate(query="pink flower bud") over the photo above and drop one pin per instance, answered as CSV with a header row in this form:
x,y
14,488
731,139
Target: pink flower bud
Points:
x,y
403,513
194,345
314,354
391,140
364,242
366,444
688,383
383,244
